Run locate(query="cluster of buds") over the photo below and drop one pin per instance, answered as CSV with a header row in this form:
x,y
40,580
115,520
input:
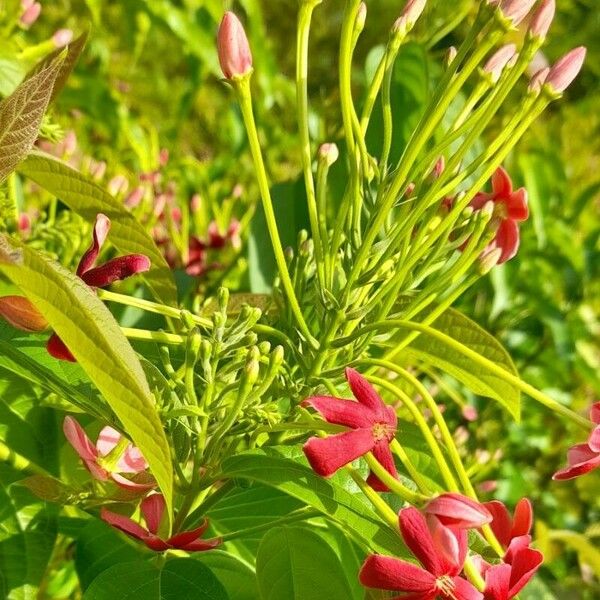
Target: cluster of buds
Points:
x,y
30,12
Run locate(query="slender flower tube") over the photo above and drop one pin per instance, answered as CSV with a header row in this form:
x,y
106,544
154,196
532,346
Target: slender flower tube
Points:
x,y
566,69
235,57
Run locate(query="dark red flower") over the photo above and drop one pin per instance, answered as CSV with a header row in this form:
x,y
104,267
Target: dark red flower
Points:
x,y
583,458
153,508
510,207
373,426
116,269
505,527
441,550
458,511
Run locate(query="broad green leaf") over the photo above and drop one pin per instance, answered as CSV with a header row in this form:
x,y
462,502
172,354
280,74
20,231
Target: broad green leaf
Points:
x,y
236,575
479,380
89,330
180,579
21,115
88,199
49,488
297,564
272,467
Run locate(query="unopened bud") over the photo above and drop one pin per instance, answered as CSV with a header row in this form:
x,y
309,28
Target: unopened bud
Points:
x,y
361,17
410,188
70,142
413,10
22,314
277,355
163,157
134,198
196,202
470,413
516,10
564,71
439,167
235,57
30,14
223,298
450,55
499,60
62,38
24,224
329,153
97,169
489,260
264,347
118,185
542,19
538,80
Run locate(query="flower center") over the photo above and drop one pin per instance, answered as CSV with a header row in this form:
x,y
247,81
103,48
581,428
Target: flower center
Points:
x,y
382,431
445,585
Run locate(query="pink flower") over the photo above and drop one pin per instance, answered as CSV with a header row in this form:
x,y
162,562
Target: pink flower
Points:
x,y
565,70
505,527
458,511
116,269
583,458
31,12
504,581
373,426
153,508
235,57
510,207
441,550
62,37
131,460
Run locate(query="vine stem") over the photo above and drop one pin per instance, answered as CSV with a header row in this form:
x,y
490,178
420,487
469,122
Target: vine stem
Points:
x,y
395,486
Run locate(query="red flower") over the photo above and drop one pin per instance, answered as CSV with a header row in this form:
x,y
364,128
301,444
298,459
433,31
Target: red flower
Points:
x,y
440,549
506,580
373,425
510,207
111,271
131,460
505,527
153,508
583,458
456,510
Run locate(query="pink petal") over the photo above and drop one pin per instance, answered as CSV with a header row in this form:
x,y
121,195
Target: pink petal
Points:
x,y
77,437
124,524
116,269
595,413
132,486
108,438
501,521
459,511
507,238
581,459
450,545
96,471
594,439
480,200
383,454
327,455
387,573
516,205
524,565
153,508
341,412
101,229
497,582
501,183
57,349
523,518
463,590
365,393
418,538
132,461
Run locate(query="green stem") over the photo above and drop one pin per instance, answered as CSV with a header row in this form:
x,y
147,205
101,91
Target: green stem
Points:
x,y
395,486
160,337
408,465
18,462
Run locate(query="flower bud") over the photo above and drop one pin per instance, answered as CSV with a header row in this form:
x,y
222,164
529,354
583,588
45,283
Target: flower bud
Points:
x,y
458,511
22,314
516,10
450,55
117,185
542,19
361,17
413,10
538,80
135,197
470,413
489,260
564,71
329,153
30,14
24,224
62,37
235,57
499,60
163,157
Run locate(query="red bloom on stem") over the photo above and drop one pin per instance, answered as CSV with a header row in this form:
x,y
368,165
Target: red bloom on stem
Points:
x,y
373,426
440,549
153,508
456,510
505,527
583,458
94,456
510,207
116,269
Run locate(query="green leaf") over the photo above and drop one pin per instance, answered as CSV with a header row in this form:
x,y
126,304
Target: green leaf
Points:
x,y
87,199
478,379
21,115
237,576
272,467
181,579
296,564
89,330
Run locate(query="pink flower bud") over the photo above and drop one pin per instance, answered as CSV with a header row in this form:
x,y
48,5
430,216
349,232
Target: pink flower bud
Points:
x,y
516,10
488,486
564,71
62,37
196,202
163,157
458,511
238,191
25,4
234,51
470,413
361,17
117,185
410,188
134,198
22,314
30,14
329,153
413,10
70,142
439,167
542,19
24,224
499,60
538,80
97,169
450,55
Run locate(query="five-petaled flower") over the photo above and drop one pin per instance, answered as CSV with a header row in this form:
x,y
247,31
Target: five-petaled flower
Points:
x,y
440,549
99,462
505,527
583,458
373,426
152,509
510,207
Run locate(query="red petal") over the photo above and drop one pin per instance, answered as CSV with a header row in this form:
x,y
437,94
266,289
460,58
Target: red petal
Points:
x,y
124,524
595,413
501,183
57,349
450,544
383,454
522,519
101,229
516,205
132,461
155,543
153,508
501,523
594,439
365,393
341,412
524,565
418,538
463,590
116,269
77,437
459,511
387,573
497,582
480,200
582,459
507,238
187,537
327,455
201,545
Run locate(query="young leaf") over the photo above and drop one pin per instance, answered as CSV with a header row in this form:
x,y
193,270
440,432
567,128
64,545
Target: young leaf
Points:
x,y
21,115
89,330
87,199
